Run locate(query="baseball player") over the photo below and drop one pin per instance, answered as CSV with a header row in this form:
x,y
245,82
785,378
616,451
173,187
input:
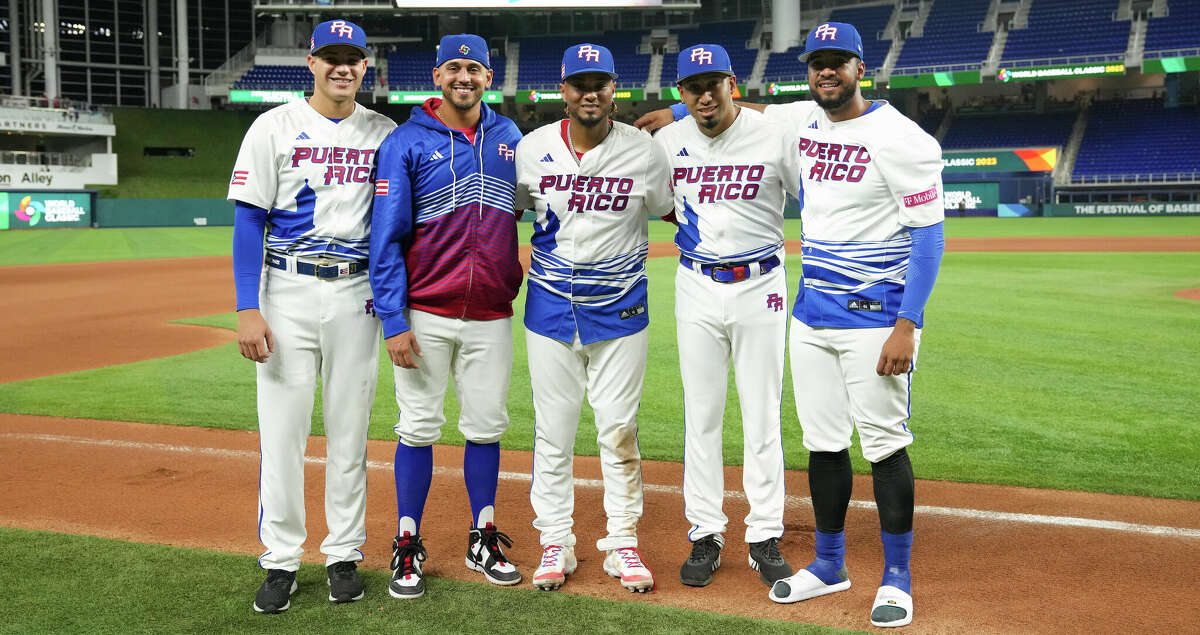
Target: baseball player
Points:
x,y
872,244
731,170
445,271
304,176
592,182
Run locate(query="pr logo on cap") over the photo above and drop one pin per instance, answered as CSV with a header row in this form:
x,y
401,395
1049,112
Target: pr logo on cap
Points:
x,y
826,32
589,54
701,56
341,29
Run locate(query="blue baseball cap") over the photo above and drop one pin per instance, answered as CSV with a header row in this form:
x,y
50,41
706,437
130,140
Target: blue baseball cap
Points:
x,y
463,46
702,58
587,58
338,32
838,36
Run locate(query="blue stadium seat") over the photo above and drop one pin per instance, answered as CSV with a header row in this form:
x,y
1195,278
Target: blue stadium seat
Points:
x,y
972,132
1177,31
1139,136
1069,28
951,39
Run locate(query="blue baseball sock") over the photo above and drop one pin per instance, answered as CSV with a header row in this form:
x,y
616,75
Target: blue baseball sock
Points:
x,y
414,471
481,469
831,550
897,551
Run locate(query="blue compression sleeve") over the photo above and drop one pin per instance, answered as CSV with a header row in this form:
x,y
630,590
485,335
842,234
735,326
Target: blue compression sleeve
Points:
x,y
679,111
928,243
249,224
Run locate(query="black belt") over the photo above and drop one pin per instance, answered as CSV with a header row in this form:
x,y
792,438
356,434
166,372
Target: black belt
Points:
x,y
336,269
727,272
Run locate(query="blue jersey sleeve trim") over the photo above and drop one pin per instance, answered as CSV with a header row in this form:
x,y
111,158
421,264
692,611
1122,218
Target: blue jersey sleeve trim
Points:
x,y
679,111
249,225
928,243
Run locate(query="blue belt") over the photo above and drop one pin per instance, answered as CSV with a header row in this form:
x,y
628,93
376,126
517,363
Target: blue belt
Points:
x,y
727,272
336,269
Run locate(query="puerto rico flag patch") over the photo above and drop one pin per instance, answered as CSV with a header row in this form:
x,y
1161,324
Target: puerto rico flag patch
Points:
x,y
921,198
239,177
381,187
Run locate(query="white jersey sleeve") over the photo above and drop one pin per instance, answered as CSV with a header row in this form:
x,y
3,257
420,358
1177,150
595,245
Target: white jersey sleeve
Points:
x,y
660,199
912,167
255,173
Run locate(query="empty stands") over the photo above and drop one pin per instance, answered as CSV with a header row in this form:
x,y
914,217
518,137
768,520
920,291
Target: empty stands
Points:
x,y
1009,130
732,36
951,39
870,22
1068,28
1177,31
1140,136
270,77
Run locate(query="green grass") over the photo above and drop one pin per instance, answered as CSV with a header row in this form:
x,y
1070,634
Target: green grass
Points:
x,y
1036,370
57,583
215,135
32,247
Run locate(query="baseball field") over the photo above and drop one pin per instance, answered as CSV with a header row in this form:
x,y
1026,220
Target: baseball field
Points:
x,y
1056,410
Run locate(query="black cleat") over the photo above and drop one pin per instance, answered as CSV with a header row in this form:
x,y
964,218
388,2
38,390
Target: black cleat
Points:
x,y
344,583
768,562
705,558
275,594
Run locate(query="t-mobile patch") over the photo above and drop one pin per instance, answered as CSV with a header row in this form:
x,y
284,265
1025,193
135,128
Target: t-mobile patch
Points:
x,y
629,312
921,198
864,305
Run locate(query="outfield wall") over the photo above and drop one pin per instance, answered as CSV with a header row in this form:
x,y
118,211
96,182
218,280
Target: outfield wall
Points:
x,y
163,212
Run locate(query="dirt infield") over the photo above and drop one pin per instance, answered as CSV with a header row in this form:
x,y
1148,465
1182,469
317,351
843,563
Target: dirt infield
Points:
x,y
988,559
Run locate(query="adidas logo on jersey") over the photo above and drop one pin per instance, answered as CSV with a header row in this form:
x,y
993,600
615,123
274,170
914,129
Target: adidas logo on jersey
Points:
x,y
813,125
547,158
435,156
682,152
303,135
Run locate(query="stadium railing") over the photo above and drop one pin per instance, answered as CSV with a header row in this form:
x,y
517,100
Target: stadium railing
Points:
x,y
1143,178
1185,52
1105,58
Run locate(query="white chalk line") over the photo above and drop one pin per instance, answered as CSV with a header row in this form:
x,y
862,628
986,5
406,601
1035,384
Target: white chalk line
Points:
x,y
790,501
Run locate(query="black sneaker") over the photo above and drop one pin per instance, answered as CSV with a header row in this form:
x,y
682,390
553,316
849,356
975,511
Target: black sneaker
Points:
x,y
705,558
768,562
485,556
344,583
407,555
275,594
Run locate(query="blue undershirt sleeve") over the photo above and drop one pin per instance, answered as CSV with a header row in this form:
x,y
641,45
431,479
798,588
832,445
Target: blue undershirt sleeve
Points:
x,y
679,111
249,225
928,243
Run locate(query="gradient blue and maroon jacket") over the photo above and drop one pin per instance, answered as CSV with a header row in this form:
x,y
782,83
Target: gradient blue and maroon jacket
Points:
x,y
443,229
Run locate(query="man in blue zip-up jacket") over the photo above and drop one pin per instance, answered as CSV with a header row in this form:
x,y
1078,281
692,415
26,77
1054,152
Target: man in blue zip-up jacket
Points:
x,y
444,271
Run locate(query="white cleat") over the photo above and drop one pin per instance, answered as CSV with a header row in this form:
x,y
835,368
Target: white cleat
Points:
x,y
626,563
804,586
892,607
558,562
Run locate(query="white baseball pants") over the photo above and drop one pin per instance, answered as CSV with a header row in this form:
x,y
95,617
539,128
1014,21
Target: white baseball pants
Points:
x,y
319,326
837,390
747,322
479,355
612,373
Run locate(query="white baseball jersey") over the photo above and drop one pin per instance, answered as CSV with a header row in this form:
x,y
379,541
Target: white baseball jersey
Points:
x,y
588,270
314,177
730,190
865,182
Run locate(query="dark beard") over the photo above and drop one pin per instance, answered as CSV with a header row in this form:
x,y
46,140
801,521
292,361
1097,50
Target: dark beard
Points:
x,y
589,122
834,103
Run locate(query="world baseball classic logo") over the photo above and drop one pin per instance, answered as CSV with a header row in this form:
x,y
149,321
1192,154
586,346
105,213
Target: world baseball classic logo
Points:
x,y
341,29
826,32
588,53
775,302
701,56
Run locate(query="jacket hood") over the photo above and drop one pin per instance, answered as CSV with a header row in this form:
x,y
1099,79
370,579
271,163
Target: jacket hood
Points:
x,y
422,117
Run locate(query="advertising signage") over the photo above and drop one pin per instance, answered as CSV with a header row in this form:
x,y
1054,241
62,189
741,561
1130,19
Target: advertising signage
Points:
x,y
419,96
978,199
1034,73
793,88
1171,65
1122,209
1028,160
264,96
935,79
539,96
42,210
